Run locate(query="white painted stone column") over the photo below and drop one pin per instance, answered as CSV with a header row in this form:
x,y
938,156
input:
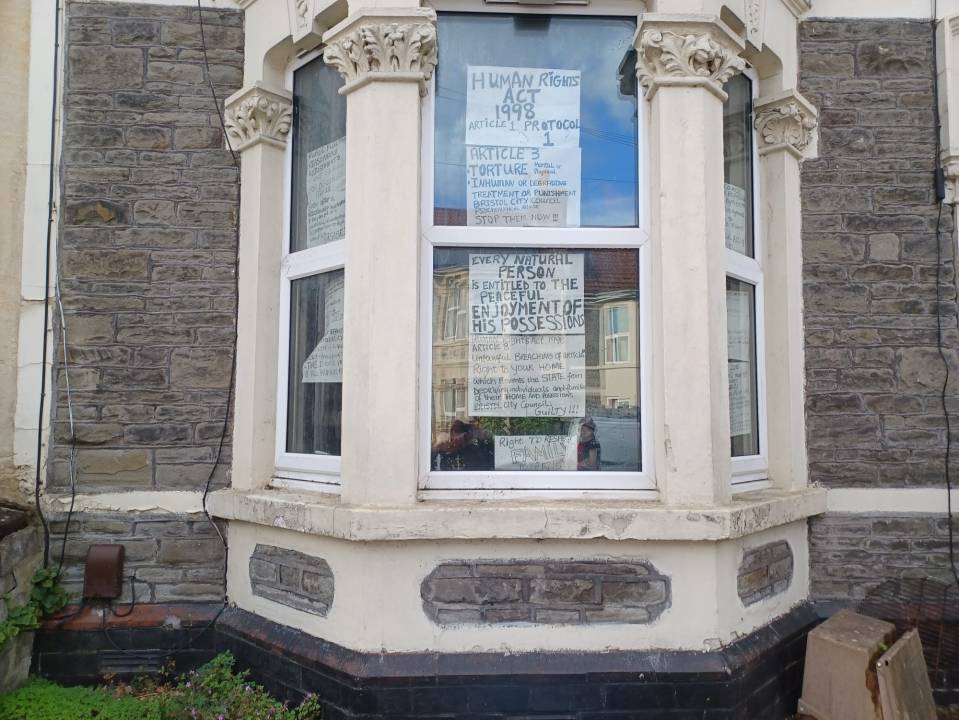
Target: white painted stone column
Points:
x,y
257,120
385,55
784,124
683,62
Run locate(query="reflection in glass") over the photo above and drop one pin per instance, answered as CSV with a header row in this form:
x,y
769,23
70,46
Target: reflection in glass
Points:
x,y
738,164
535,360
315,399
537,104
743,392
318,203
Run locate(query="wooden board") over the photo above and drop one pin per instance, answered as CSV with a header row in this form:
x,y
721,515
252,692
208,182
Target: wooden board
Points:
x,y
904,689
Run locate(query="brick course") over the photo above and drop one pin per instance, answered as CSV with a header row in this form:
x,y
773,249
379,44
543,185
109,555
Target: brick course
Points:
x,y
873,370
147,246
851,554
168,557
544,592
765,571
292,578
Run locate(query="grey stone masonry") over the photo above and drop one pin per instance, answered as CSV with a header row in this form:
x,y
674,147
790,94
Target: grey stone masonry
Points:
x,y
765,571
570,592
168,557
146,246
851,554
873,370
292,578
21,554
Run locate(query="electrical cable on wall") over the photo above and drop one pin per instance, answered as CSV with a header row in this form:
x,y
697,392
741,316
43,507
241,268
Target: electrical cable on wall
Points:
x,y
229,401
940,200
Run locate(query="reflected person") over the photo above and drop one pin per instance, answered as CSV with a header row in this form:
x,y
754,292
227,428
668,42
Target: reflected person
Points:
x,y
469,447
587,449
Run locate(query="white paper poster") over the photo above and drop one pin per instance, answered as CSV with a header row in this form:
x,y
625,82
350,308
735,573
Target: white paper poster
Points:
x,y
535,452
740,399
527,376
325,363
739,324
735,218
524,107
326,193
522,187
526,293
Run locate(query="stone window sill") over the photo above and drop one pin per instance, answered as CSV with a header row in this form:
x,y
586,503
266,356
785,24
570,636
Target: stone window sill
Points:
x,y
746,514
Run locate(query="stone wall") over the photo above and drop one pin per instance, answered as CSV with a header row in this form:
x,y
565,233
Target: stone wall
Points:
x,y
292,578
21,555
874,374
545,592
167,558
851,554
765,571
147,246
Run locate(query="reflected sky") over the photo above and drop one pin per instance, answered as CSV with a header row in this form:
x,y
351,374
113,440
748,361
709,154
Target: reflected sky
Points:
x,y
598,47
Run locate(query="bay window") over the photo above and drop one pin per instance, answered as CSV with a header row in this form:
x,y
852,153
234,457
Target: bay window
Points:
x,y
312,281
532,224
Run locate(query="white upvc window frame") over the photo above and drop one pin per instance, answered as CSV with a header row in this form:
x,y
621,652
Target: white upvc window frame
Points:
x,y
751,472
300,470
500,484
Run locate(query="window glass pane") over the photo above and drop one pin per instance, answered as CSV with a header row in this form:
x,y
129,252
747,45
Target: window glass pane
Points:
x,y
316,365
536,119
743,393
531,370
318,203
738,164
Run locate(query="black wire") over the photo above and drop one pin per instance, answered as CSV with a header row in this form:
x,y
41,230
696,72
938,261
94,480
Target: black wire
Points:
x,y
46,285
939,299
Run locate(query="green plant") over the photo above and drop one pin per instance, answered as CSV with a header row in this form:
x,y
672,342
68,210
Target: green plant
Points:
x,y
217,692
47,596
43,700
214,692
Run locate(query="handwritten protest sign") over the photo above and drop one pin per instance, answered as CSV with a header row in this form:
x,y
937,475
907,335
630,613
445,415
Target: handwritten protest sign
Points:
x,y
526,107
535,452
326,193
527,375
739,324
740,398
735,198
523,187
325,363
526,293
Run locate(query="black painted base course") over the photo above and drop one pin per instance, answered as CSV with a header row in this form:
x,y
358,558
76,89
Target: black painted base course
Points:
x,y
756,678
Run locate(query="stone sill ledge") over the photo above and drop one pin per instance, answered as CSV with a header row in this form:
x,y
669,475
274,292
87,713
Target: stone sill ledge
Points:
x,y
316,514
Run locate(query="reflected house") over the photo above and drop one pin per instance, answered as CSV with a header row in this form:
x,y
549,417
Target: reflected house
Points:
x,y
612,351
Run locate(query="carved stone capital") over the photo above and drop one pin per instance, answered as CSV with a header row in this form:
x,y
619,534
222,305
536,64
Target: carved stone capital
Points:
x,y
383,44
950,169
785,121
258,114
689,50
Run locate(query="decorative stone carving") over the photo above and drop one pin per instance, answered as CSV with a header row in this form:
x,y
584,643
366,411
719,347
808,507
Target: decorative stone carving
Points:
x,y
754,22
785,122
258,114
394,47
686,50
950,168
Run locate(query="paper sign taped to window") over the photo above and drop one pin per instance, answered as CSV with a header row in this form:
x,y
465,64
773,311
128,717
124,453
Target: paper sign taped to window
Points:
x,y
740,398
325,363
326,193
531,293
739,324
523,187
535,452
527,376
735,218
524,107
